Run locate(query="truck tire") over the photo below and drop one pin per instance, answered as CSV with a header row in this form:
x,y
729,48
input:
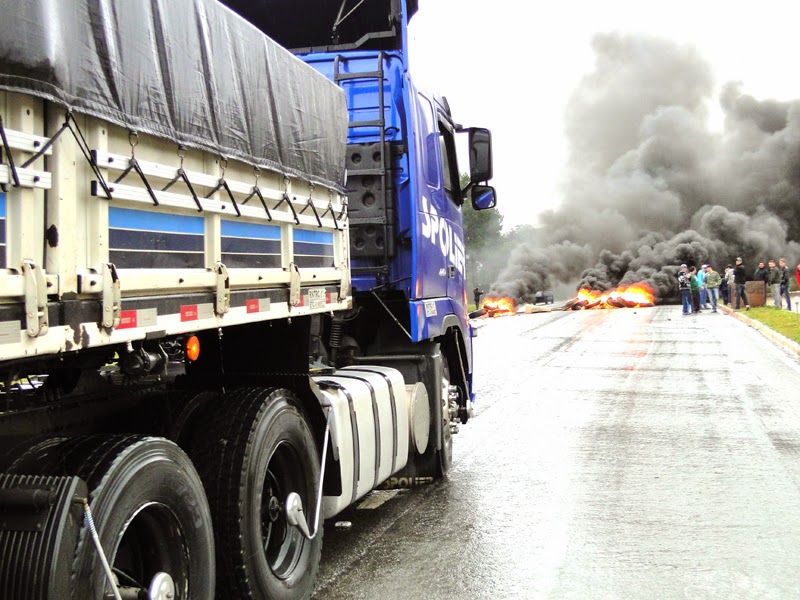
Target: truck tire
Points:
x,y
256,450
149,509
435,462
446,451
188,410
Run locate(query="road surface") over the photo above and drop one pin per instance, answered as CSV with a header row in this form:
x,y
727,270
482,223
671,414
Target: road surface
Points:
x,y
616,454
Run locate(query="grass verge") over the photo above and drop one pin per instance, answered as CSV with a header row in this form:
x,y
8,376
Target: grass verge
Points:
x,y
782,321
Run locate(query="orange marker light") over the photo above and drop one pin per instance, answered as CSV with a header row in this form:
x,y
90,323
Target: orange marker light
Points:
x,y
192,348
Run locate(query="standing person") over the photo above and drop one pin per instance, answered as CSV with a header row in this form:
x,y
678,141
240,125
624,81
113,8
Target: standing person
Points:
x,y
684,290
701,280
762,274
478,293
774,283
731,284
740,279
694,286
724,291
713,281
785,283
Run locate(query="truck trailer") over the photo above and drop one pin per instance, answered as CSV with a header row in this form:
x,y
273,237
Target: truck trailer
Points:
x,y
232,288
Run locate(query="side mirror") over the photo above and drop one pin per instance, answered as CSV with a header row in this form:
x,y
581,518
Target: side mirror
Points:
x,y
483,197
480,154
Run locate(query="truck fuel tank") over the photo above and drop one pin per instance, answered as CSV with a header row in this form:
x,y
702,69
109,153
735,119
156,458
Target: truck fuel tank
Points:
x,y
369,429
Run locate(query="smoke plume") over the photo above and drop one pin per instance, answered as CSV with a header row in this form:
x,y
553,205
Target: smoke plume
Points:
x,y
649,185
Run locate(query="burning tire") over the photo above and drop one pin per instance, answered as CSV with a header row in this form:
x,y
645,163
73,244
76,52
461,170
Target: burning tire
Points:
x,y
148,506
253,453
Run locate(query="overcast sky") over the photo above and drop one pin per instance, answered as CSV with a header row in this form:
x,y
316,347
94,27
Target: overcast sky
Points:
x,y
511,66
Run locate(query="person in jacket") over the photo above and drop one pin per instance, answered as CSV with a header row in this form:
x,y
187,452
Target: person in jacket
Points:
x,y
740,279
762,274
694,286
477,292
724,291
701,279
774,283
684,289
731,284
785,283
713,281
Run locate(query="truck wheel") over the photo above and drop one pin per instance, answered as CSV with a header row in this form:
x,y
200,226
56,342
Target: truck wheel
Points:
x,y
446,453
257,450
149,509
435,463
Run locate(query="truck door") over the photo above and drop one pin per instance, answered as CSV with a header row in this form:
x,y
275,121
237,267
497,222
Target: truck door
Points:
x,y
451,236
440,257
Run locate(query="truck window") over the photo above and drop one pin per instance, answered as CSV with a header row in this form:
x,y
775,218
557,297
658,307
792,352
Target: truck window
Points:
x,y
447,147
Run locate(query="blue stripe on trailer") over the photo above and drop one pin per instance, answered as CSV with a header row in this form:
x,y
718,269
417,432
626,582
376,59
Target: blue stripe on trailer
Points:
x,y
2,205
256,231
146,220
319,237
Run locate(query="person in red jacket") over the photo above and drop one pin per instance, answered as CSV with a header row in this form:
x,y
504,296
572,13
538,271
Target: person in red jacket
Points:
x,y
797,275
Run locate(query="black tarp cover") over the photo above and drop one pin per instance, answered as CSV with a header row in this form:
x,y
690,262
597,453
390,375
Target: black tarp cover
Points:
x,y
191,71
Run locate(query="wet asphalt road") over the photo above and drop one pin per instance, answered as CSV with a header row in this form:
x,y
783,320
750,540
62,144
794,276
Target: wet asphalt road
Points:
x,y
615,454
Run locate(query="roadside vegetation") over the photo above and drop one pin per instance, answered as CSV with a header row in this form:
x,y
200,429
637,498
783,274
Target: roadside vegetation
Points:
x,y
781,321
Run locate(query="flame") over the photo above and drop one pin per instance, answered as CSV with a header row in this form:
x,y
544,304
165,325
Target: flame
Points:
x,y
630,296
498,307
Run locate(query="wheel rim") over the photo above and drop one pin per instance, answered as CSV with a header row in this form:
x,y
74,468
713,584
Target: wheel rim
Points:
x,y
447,434
151,543
282,543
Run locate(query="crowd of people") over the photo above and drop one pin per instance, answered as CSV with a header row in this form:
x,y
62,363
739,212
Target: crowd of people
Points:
x,y
697,288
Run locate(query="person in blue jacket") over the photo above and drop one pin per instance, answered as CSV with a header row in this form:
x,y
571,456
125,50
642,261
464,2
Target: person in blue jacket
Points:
x,y
701,280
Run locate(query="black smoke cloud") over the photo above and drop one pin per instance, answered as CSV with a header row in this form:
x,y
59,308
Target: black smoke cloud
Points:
x,y
649,185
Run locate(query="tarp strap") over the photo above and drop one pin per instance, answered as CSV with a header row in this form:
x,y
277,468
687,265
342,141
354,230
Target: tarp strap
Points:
x,y
291,207
310,204
257,192
49,143
224,184
133,164
330,211
344,209
86,151
181,174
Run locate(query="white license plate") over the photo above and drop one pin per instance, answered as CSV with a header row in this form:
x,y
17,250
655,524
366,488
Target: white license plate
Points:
x,y
316,298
